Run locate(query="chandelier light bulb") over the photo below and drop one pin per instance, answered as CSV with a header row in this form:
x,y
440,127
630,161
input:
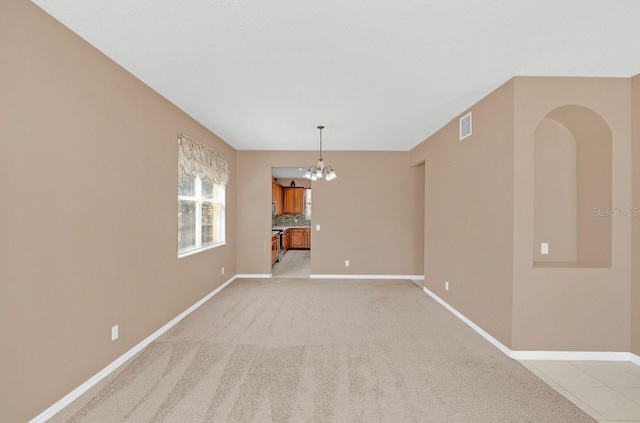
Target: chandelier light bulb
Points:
x,y
320,171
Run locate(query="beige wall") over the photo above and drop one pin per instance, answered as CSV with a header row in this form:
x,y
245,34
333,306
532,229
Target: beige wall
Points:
x,y
88,156
576,309
555,195
635,280
593,140
371,218
572,178
479,221
469,213
286,182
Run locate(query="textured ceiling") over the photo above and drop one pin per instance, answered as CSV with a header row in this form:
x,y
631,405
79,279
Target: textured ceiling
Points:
x,y
379,74
288,172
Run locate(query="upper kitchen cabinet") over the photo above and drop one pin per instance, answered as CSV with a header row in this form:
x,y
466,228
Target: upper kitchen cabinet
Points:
x,y
276,197
293,200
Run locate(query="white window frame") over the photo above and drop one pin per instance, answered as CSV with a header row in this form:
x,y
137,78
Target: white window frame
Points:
x,y
199,199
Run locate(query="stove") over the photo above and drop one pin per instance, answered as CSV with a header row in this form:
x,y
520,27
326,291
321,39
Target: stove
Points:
x,y
279,233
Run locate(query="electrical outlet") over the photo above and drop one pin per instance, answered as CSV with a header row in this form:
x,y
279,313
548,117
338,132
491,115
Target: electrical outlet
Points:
x,y
318,227
346,263
544,248
223,270
114,332
446,285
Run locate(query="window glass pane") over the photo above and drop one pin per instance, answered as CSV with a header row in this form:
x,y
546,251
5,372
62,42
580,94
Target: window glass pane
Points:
x,y
208,233
186,185
207,189
186,224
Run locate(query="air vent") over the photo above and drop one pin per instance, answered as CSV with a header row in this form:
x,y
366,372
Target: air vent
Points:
x,y
465,126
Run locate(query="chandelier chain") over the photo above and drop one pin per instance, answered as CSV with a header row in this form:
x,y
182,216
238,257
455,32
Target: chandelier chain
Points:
x,y
320,128
320,170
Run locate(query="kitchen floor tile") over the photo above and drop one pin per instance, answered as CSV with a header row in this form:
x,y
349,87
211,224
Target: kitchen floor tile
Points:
x,y
530,365
632,393
629,367
609,373
565,374
581,405
611,404
294,264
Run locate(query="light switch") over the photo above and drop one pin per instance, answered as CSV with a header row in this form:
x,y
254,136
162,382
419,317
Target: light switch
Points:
x,y
318,227
544,248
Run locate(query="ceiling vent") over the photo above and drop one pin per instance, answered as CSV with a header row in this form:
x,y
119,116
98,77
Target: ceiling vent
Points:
x,y
465,126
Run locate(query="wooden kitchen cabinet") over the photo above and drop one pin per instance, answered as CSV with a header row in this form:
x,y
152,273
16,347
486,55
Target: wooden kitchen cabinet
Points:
x,y
307,238
277,197
286,240
297,238
300,238
274,249
293,200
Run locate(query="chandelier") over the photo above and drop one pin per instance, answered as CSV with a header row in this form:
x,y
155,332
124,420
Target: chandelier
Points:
x,y
320,170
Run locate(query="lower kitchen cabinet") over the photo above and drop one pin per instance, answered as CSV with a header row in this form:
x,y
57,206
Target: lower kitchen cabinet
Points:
x,y
297,238
286,240
307,238
274,249
300,238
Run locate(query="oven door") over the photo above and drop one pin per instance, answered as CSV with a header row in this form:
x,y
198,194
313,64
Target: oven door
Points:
x,y
280,248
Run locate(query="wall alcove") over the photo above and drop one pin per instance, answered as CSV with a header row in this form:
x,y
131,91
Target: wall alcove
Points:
x,y
572,189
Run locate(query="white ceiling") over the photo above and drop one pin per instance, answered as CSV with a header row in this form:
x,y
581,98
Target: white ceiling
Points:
x,y
379,74
288,172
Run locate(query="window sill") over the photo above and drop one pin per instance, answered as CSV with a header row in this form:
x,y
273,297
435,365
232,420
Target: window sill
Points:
x,y
200,250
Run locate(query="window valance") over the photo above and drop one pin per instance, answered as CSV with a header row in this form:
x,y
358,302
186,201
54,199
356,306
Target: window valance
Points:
x,y
194,159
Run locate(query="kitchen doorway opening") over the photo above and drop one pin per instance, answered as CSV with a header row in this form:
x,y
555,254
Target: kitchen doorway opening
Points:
x,y
291,207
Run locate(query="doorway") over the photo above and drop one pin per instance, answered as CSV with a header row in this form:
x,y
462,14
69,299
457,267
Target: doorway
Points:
x,y
291,223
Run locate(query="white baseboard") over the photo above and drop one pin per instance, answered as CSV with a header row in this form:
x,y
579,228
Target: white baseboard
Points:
x,y
539,355
253,276
571,355
403,277
473,326
73,395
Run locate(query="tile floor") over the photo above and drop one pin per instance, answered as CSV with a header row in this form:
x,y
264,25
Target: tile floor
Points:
x,y
609,391
294,264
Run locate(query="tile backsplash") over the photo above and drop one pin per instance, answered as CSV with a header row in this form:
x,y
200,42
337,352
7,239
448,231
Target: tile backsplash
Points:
x,y
290,220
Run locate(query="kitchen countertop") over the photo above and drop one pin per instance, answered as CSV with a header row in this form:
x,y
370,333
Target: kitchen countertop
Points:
x,y
284,228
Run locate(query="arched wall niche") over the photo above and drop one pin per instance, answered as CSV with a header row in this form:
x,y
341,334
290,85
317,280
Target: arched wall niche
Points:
x,y
572,189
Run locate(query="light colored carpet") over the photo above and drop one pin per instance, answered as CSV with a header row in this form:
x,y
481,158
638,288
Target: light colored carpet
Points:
x,y
301,350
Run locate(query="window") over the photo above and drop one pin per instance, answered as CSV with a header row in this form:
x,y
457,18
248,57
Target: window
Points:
x,y
202,177
200,213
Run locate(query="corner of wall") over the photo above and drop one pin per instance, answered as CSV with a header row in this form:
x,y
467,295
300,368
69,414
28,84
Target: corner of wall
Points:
x,y
469,200
635,247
